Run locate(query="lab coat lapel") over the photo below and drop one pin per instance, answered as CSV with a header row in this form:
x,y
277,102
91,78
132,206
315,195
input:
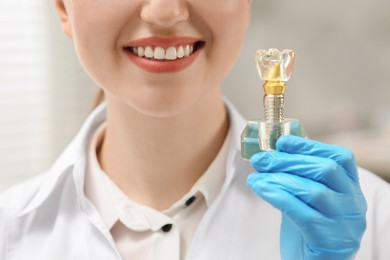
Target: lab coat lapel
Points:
x,y
217,227
59,229
55,230
236,221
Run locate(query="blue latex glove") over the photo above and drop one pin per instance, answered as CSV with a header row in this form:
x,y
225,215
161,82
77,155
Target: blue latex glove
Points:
x,y
316,188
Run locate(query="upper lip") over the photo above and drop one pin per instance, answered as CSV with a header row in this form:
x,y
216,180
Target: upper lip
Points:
x,y
163,42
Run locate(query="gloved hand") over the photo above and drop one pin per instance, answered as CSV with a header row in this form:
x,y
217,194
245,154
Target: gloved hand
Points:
x,y
316,188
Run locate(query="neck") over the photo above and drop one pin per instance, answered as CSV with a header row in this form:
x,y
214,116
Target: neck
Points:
x,y
154,160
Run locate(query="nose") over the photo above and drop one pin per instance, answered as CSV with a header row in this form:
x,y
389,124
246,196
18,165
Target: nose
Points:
x,y
165,13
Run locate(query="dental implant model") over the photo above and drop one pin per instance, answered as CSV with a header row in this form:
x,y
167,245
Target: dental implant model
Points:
x,y
275,68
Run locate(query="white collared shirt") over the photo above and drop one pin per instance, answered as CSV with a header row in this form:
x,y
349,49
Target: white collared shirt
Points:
x,y
138,230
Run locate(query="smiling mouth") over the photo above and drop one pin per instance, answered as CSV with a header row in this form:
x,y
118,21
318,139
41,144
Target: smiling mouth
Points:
x,y
171,53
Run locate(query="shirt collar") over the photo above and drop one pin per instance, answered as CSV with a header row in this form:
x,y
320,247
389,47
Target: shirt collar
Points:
x,y
73,161
211,181
96,182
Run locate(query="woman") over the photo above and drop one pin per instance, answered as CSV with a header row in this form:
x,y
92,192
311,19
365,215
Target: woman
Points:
x,y
155,171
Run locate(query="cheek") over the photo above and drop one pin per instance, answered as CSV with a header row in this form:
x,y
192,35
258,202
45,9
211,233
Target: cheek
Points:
x,y
96,28
234,21
229,25
229,12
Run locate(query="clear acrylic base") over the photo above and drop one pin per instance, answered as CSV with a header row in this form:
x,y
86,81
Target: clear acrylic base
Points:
x,y
262,136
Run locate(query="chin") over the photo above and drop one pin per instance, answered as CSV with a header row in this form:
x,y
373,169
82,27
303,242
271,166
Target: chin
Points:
x,y
163,107
162,112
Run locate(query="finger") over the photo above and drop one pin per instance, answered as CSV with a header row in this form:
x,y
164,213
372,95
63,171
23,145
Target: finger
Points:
x,y
298,145
325,171
316,195
284,201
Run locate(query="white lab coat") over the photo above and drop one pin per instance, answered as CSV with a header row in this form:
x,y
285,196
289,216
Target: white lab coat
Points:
x,y
49,217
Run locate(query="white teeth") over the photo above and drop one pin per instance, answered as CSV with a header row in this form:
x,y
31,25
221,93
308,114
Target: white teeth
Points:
x,y
171,54
187,51
159,53
191,49
180,52
149,53
141,52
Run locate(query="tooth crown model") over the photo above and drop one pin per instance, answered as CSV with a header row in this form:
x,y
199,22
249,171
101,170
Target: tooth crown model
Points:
x,y
275,68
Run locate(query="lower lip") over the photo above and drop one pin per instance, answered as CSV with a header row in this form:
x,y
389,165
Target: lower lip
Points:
x,y
166,66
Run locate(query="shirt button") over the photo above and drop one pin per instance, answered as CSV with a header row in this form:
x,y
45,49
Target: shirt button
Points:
x,y
190,201
166,228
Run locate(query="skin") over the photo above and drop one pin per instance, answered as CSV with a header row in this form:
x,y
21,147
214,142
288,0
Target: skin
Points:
x,y
163,129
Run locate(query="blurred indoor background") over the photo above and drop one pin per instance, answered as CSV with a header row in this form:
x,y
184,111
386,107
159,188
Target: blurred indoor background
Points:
x,y
339,89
